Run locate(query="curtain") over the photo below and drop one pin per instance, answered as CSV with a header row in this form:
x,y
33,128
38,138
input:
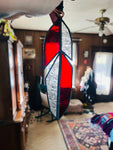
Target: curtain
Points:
x,y
102,68
74,63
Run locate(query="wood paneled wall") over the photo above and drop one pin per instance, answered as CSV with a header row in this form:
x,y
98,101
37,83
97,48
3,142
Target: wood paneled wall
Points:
x,y
86,43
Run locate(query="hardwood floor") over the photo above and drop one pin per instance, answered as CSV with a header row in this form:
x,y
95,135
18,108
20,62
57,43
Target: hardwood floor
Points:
x,y
47,136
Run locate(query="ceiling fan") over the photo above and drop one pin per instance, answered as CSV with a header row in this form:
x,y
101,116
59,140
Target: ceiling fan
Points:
x,y
102,22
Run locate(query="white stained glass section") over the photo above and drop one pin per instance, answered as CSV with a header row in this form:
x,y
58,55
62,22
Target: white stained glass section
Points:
x,y
102,68
66,40
52,83
48,67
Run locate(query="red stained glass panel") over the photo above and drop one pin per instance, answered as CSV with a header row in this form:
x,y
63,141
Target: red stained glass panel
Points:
x,y
65,84
51,44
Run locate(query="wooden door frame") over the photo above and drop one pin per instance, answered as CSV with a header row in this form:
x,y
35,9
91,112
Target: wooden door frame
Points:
x,y
103,98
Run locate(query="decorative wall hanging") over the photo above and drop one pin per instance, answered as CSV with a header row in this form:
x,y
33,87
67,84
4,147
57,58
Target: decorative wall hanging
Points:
x,y
29,53
28,40
85,53
58,68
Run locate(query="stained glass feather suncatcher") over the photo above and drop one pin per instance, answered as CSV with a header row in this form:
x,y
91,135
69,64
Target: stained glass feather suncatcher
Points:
x,y
58,68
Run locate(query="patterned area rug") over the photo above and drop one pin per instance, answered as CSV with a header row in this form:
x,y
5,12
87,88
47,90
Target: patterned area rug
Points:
x,y
78,135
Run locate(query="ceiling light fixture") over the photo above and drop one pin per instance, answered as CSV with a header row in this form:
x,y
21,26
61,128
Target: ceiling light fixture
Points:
x,y
101,29
100,34
102,22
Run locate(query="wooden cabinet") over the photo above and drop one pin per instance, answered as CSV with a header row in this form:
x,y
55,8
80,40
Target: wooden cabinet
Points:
x,y
8,103
13,135
10,134
14,112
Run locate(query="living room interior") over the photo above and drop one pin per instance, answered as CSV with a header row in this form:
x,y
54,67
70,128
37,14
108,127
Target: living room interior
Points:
x,y
88,42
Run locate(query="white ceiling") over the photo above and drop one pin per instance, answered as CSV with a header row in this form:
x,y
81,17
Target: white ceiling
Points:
x,y
76,14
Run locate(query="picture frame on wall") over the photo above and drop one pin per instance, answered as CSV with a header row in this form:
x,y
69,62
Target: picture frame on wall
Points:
x,y
29,53
85,53
28,40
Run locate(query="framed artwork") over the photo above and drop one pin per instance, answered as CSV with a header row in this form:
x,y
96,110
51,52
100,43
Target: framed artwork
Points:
x,y
29,53
86,54
28,39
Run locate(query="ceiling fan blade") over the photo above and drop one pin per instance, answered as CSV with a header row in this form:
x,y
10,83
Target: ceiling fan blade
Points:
x,y
95,21
90,20
107,31
86,28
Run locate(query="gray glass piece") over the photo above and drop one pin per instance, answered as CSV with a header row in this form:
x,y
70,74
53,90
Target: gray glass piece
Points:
x,y
52,84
